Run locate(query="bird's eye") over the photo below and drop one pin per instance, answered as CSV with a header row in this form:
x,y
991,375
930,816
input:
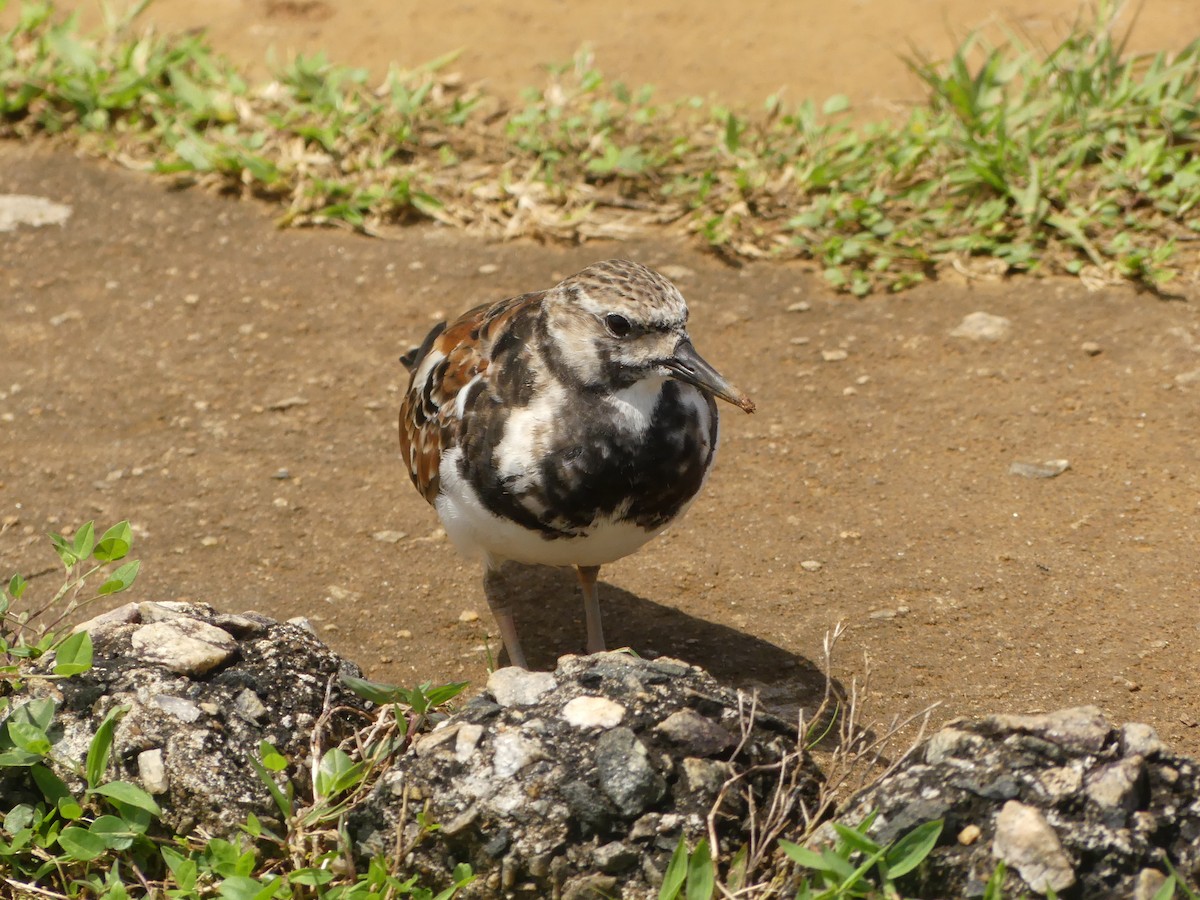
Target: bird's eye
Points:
x,y
618,326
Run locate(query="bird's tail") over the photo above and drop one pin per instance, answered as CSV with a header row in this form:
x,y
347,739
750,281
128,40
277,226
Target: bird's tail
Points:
x,y
413,357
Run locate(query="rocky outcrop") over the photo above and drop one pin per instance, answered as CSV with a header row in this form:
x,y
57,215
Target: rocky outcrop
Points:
x,y
1069,802
202,689
580,782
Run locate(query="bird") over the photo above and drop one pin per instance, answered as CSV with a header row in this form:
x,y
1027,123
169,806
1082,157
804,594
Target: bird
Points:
x,y
563,427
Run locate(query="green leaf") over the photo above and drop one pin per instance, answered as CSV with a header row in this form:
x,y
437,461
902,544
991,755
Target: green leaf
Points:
x,y
98,751
835,104
114,832
56,791
115,543
74,655
337,772
802,856
910,851
16,586
20,816
182,867
311,877
701,880
243,887
855,839
29,738
272,759
676,873
129,794
120,579
1166,890
85,539
375,691
282,801
64,549
81,844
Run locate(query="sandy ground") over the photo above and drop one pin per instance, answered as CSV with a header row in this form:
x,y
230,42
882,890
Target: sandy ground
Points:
x,y
172,358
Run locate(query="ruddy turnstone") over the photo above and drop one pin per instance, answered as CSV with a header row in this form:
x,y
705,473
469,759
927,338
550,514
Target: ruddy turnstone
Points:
x,y
565,427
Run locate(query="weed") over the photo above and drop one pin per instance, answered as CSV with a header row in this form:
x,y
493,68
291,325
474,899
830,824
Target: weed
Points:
x,y
68,830
1074,159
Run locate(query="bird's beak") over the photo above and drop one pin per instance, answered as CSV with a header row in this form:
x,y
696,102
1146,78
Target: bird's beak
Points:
x,y
687,365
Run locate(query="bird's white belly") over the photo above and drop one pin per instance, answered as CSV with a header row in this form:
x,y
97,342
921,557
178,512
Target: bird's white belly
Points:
x,y
476,532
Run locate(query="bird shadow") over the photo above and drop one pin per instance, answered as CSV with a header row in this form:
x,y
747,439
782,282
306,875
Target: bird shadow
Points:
x,y
548,608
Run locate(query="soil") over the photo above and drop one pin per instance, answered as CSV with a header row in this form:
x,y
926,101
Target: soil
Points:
x,y
172,358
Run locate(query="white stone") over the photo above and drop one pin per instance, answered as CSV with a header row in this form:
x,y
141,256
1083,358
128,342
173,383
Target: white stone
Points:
x,y
466,741
181,709
152,771
511,753
512,686
593,712
185,646
1027,843
22,209
981,326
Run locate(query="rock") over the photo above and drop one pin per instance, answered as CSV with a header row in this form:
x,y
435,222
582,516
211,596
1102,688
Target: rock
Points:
x,y
626,775
511,752
615,858
834,355
1115,788
550,781
981,326
1091,348
812,565
181,709
152,771
36,212
1138,739
1051,468
389,537
593,712
1063,797
1025,841
183,645
189,730
1147,885
695,734
512,686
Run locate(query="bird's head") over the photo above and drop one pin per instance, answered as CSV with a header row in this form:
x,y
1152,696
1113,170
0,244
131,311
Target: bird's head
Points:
x,y
617,322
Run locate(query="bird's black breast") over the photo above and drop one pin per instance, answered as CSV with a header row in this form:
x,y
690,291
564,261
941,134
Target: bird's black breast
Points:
x,y
593,466
602,470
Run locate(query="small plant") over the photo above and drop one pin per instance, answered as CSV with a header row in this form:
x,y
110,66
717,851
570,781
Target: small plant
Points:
x,y
857,866
70,830
1078,158
29,631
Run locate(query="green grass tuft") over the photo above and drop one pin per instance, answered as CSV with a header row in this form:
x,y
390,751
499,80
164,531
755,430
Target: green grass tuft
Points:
x,y
1076,159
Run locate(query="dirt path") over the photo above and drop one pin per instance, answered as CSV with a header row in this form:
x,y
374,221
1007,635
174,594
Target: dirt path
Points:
x,y
232,389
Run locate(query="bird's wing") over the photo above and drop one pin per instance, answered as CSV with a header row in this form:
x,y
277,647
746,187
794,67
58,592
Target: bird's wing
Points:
x,y
445,364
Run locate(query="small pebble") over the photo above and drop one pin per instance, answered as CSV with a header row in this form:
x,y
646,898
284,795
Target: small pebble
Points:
x,y
811,565
489,269
969,835
802,306
391,537
981,326
468,615
1091,348
834,355
1051,468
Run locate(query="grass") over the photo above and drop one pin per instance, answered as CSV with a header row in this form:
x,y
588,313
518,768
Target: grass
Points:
x,y
1075,159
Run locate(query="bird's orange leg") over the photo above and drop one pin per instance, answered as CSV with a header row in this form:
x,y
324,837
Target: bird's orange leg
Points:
x,y
493,589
